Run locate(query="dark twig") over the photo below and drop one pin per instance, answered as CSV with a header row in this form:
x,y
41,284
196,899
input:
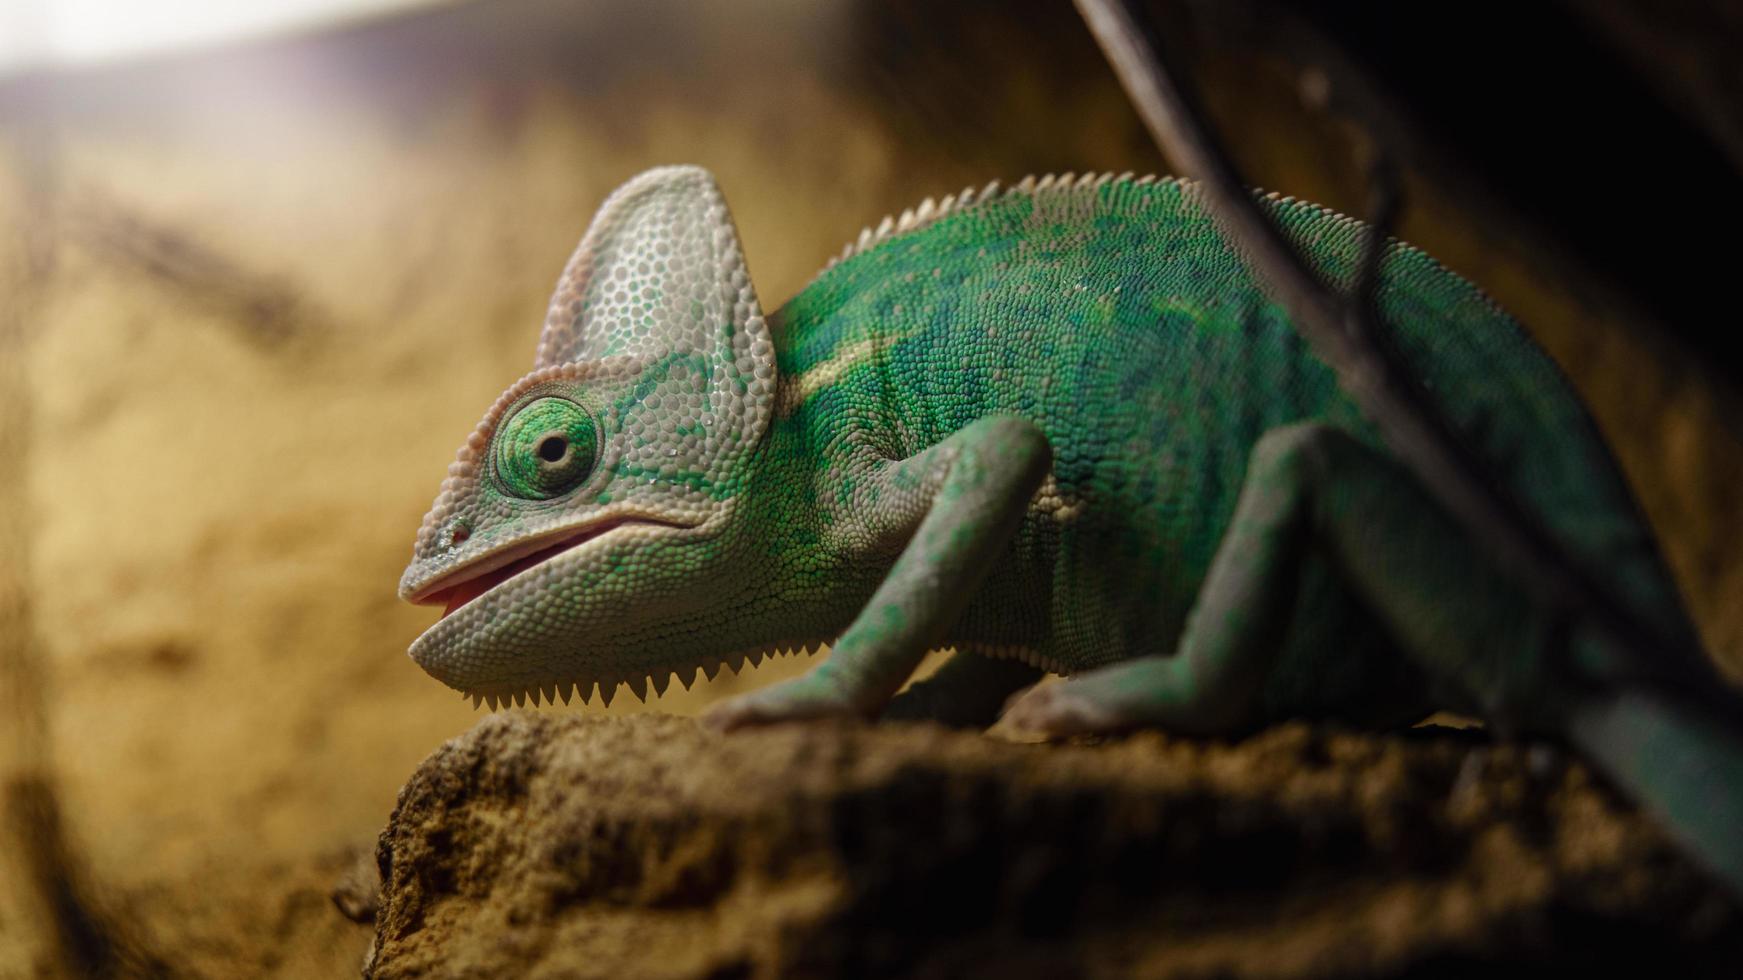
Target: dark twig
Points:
x,y
1383,206
1343,332
267,310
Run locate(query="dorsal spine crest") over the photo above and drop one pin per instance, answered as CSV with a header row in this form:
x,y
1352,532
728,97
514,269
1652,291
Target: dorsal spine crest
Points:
x,y
929,211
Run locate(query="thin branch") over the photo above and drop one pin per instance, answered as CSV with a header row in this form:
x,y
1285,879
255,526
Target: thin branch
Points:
x,y
1344,334
1383,206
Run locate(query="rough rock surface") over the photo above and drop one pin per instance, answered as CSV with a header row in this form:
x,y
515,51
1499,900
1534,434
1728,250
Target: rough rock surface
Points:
x,y
543,845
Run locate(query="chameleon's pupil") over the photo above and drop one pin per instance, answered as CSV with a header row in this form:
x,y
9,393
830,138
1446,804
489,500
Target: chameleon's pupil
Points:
x,y
552,448
545,449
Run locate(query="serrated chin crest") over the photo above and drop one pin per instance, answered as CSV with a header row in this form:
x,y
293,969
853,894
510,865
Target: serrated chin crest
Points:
x,y
658,678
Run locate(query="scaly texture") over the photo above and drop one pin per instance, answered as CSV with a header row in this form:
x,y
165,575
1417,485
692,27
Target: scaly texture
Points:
x,y
1058,425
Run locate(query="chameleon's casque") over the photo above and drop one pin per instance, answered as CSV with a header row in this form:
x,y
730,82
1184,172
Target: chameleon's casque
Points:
x,y
1057,427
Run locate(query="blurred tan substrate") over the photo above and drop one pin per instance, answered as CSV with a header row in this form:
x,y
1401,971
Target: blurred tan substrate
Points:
x,y
233,446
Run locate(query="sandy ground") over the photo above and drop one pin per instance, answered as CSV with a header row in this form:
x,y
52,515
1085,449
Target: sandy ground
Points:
x,y
272,289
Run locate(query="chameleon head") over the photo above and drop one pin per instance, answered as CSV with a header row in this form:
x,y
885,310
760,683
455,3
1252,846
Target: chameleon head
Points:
x,y
584,532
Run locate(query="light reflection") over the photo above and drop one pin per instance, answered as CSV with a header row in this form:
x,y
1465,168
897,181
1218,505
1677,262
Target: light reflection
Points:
x,y
49,33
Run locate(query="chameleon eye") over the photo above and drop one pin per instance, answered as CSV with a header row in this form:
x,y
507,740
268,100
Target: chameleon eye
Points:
x,y
546,449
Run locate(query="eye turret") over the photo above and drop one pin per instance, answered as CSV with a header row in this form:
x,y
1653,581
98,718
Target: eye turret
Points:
x,y
545,449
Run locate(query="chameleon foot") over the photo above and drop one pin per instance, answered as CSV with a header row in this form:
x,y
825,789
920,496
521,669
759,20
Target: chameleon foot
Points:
x,y
1149,692
1063,708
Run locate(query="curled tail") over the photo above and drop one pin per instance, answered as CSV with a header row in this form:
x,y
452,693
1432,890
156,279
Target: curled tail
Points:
x,y
1682,759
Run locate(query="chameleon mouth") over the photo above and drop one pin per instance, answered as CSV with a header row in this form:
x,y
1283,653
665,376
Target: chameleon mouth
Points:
x,y
461,586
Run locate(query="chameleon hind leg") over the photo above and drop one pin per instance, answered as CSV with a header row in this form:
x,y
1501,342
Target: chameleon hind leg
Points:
x,y
1311,488
1489,648
952,510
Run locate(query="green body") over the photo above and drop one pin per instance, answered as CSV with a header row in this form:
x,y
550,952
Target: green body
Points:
x,y
1055,428
1126,330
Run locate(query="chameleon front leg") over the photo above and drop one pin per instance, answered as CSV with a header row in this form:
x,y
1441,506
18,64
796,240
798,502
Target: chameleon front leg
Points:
x,y
957,505
1312,486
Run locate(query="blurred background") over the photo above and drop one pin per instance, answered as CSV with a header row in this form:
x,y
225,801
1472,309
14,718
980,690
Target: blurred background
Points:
x,y
262,268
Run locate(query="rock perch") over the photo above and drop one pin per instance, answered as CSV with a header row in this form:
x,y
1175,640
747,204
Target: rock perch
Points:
x,y
640,846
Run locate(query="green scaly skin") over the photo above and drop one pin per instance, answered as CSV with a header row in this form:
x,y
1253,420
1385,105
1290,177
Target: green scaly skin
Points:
x,y
1056,428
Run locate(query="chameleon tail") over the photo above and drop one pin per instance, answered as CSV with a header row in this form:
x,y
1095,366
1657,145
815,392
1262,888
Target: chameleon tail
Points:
x,y
1682,760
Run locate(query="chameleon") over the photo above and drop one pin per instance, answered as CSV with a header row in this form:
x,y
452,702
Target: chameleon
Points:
x,y
1058,428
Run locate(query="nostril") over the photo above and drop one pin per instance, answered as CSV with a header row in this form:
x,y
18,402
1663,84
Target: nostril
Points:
x,y
458,534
